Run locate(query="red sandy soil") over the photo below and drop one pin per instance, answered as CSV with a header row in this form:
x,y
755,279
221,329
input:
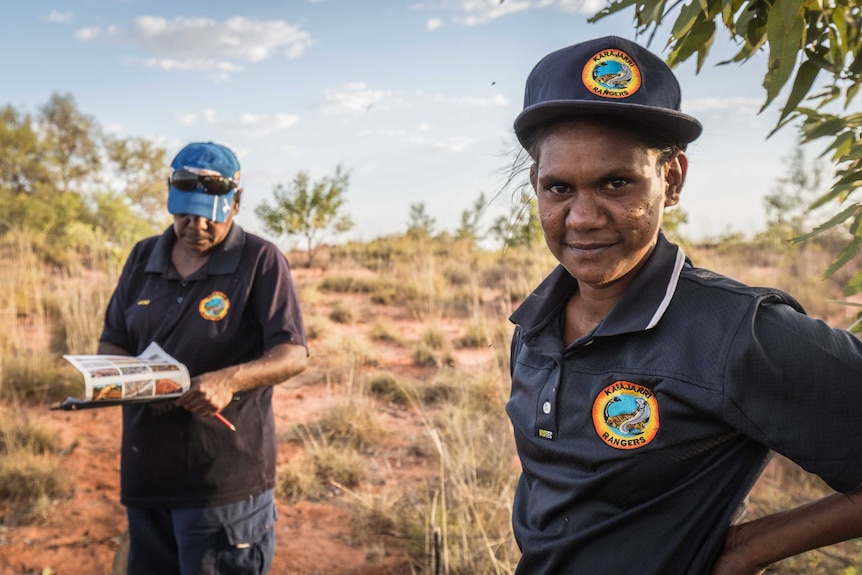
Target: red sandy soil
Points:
x,y
84,531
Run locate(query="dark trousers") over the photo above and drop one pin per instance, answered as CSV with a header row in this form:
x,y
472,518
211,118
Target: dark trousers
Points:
x,y
233,539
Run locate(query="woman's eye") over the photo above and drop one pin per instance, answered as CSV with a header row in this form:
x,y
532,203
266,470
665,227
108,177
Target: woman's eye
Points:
x,y
615,184
558,189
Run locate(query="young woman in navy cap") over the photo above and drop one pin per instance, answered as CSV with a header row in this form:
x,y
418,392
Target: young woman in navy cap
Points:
x,y
647,394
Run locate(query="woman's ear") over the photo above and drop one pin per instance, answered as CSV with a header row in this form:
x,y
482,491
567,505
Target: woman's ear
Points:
x,y
534,175
676,170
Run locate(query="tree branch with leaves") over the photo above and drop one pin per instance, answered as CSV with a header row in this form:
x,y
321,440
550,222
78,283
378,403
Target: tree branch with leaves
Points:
x,y
806,40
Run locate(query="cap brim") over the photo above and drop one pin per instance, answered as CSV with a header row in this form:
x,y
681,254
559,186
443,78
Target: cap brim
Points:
x,y
213,208
686,128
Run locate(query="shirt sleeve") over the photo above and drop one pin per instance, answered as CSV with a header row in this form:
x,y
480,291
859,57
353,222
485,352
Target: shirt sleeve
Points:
x,y
275,301
793,383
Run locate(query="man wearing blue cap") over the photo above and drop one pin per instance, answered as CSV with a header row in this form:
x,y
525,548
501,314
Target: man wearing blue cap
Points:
x,y
647,394
197,475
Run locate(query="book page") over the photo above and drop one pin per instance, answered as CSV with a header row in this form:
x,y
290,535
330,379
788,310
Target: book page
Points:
x,y
153,375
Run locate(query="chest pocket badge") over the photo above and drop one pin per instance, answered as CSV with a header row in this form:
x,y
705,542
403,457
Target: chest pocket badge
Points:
x,y
625,415
214,307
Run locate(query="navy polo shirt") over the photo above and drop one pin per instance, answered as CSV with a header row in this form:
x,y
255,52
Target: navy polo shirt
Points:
x,y
232,310
639,441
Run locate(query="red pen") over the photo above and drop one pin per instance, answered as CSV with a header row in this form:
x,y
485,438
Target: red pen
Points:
x,y
224,420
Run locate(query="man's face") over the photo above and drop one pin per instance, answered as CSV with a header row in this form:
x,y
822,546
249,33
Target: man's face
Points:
x,y
601,196
200,235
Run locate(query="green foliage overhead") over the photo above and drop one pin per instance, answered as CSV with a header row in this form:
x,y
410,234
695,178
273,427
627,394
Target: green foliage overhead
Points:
x,y
806,40
308,209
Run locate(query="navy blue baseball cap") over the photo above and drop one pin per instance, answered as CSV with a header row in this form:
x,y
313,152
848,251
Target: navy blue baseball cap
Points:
x,y
205,159
606,77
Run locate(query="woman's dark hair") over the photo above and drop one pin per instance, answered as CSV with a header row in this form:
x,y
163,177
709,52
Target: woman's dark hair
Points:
x,y
652,137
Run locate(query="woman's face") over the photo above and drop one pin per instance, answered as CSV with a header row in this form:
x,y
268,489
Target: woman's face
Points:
x,y
601,195
198,235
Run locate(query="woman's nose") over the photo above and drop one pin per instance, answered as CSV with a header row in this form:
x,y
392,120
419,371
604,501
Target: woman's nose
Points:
x,y
584,213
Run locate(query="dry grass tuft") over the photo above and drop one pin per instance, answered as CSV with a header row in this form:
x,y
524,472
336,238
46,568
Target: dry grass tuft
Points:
x,y
387,387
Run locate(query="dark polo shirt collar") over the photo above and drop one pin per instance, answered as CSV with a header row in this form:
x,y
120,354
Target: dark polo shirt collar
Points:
x,y
640,307
224,259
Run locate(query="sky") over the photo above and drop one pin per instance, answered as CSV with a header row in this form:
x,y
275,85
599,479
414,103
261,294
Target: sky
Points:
x,y
415,98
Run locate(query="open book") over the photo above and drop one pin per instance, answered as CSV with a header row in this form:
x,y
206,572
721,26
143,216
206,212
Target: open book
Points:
x,y
116,379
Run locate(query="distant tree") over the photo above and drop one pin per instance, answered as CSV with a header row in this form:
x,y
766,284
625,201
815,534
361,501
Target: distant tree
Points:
x,y
308,209
70,140
141,168
787,203
420,225
522,226
470,220
671,221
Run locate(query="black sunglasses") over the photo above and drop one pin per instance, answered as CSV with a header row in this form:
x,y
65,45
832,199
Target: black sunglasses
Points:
x,y
187,181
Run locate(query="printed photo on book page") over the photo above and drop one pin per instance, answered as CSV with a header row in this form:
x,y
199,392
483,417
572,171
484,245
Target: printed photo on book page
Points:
x,y
115,379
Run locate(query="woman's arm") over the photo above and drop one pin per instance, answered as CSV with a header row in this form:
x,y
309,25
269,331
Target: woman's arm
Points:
x,y
751,547
210,392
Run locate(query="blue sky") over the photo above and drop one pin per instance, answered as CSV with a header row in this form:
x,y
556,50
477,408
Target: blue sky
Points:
x,y
416,99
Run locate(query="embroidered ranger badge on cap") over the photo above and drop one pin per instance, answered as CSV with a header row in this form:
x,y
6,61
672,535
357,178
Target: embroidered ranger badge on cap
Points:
x,y
214,307
625,415
611,74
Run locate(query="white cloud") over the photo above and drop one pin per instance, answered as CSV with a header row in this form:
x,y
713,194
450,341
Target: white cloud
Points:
x,y
419,139
88,34
249,124
451,145
578,6
474,12
186,119
353,98
204,44
57,16
477,12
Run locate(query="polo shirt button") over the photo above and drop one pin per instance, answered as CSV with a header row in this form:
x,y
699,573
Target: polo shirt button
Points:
x,y
180,299
546,407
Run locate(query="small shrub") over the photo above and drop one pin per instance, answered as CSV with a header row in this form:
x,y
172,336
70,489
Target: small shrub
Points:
x,y
424,356
434,338
315,327
31,482
476,335
387,387
383,330
348,284
384,295
297,479
351,423
339,464
342,312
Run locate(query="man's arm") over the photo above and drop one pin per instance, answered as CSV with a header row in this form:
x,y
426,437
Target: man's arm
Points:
x,y
212,391
751,547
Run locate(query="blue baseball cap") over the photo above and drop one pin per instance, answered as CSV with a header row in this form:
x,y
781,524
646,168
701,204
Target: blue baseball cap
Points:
x,y
606,77
205,159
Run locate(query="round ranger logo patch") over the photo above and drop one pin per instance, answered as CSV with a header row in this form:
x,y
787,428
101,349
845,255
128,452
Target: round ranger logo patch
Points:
x,y
625,415
214,307
611,74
